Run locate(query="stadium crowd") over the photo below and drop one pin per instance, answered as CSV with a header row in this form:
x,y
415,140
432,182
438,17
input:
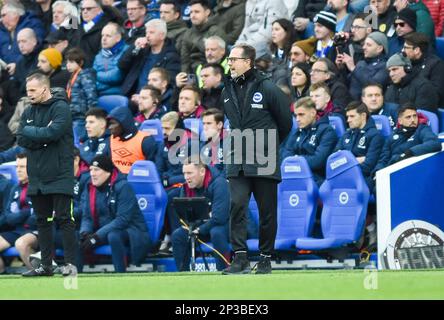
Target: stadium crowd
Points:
x,y
171,60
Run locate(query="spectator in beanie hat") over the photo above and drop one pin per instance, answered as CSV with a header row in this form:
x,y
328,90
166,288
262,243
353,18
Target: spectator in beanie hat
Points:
x,y
325,26
111,215
50,63
405,23
408,87
301,51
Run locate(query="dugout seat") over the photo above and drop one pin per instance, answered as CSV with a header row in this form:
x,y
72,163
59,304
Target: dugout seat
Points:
x,y
433,120
153,127
338,124
382,123
110,102
345,196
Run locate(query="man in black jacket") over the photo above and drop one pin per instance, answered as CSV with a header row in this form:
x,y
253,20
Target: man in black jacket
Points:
x,y
408,86
45,132
430,66
152,51
259,111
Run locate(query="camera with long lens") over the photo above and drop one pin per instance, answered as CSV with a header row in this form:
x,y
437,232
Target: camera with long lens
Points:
x,y
340,42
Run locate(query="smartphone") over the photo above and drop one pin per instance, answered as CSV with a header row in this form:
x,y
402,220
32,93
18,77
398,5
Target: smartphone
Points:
x,y
191,79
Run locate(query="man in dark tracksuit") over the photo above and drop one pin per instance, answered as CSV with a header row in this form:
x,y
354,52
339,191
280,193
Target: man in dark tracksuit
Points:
x,y
98,136
203,181
362,139
258,110
373,98
314,140
411,138
45,131
111,215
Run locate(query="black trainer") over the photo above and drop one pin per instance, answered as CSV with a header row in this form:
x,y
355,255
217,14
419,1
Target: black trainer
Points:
x,y
41,271
264,265
240,265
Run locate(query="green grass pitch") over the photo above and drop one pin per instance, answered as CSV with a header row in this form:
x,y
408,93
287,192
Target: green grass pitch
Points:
x,y
281,285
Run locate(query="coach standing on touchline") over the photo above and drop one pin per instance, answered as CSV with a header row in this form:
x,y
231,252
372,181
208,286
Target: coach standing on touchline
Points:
x,y
253,104
45,131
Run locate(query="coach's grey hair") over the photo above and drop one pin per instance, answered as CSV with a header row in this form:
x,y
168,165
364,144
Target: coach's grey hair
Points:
x,y
14,7
157,24
221,42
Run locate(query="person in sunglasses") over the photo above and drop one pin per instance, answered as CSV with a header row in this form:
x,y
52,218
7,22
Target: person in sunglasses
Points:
x,y
404,24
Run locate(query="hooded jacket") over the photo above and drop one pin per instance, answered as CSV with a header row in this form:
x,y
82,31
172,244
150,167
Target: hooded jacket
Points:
x,y
315,143
45,130
149,146
113,207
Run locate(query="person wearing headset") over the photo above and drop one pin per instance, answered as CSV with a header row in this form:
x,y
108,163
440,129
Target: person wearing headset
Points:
x,y
45,131
408,86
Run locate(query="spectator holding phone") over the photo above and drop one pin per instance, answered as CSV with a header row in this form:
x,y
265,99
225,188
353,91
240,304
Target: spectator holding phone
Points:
x,y
372,68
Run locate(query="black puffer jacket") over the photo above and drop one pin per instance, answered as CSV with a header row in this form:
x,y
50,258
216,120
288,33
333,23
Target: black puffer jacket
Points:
x,y
45,131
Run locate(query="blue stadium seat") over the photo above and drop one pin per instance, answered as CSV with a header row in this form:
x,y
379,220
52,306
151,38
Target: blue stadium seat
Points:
x,y
345,196
9,171
151,195
154,127
441,119
383,125
433,120
338,124
108,103
297,202
440,47
10,252
195,125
